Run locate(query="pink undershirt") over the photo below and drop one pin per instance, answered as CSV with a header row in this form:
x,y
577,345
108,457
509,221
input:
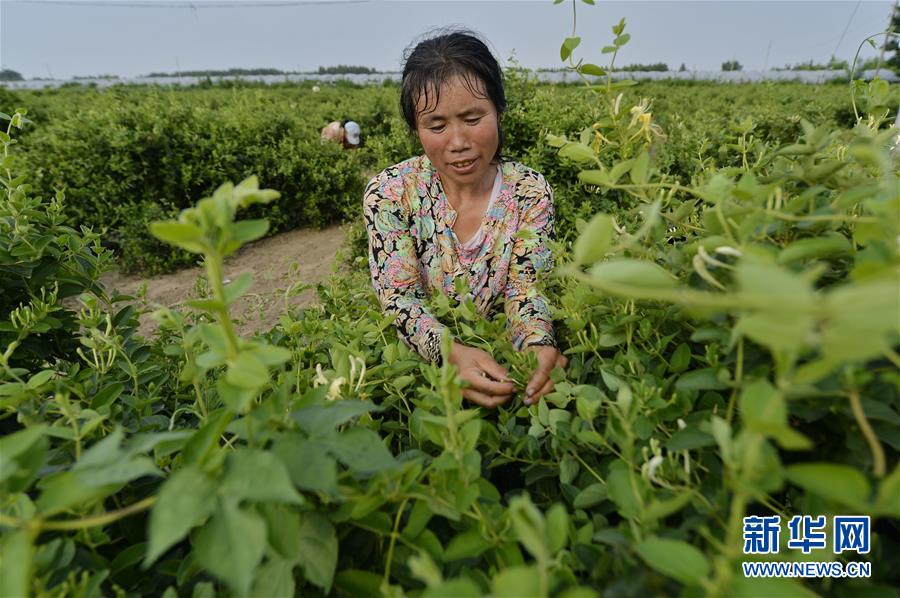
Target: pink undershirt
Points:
x,y
478,237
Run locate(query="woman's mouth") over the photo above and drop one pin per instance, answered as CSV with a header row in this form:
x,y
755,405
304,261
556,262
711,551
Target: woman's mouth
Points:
x,y
464,166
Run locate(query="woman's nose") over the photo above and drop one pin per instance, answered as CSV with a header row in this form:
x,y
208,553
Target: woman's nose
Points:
x,y
458,139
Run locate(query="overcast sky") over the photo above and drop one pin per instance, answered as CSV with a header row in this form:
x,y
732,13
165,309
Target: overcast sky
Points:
x,y
62,39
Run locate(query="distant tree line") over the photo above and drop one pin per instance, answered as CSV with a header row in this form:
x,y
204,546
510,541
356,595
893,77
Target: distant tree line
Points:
x,y
10,75
220,73
732,65
346,69
656,66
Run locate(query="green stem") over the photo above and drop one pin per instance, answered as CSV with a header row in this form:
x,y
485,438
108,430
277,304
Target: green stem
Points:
x,y
214,274
84,522
394,535
878,459
588,467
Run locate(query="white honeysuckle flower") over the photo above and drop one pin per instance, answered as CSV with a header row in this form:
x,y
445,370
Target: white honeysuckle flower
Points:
x,y
652,466
334,391
726,250
320,378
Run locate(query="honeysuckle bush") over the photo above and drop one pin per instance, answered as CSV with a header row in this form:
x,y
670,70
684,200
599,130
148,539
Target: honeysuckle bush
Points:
x,y
135,154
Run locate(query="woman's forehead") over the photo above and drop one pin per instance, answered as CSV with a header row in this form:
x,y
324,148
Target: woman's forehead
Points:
x,y
456,89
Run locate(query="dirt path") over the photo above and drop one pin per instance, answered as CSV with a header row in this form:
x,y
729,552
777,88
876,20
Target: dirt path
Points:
x,y
277,263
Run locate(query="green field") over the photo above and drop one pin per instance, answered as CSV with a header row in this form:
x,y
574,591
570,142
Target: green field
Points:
x,y
726,292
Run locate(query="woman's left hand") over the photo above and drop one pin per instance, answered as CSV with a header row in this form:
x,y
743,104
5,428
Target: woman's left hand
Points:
x,y
541,383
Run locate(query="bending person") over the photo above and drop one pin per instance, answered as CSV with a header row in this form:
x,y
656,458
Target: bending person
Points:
x,y
457,212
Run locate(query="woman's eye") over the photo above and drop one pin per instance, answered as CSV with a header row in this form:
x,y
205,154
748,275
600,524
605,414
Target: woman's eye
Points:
x,y
473,121
436,129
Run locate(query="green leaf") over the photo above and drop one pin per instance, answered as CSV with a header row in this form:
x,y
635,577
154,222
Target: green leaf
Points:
x,y
64,490
257,475
688,439
515,582
40,379
355,582
235,398
704,379
569,44
568,469
318,550
181,234
557,528
862,320
640,169
609,49
205,441
16,552
22,454
466,545
591,496
362,450
594,241
588,400
618,169
814,248
419,517
184,501
591,69
245,231
620,491
529,526
888,491
661,509
271,355
308,463
594,177
205,304
317,419
555,140
247,372
839,483
578,152
681,359
631,273
762,406
238,287
623,83
275,579
107,395
455,588
675,559
231,545
622,39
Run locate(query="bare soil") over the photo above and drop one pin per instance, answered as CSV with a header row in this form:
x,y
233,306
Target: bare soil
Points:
x,y
278,263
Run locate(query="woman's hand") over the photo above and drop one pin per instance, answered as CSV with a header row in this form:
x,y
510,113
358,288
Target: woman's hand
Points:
x,y
489,383
541,384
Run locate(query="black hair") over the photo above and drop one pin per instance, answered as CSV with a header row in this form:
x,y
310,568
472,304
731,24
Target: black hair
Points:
x,y
439,57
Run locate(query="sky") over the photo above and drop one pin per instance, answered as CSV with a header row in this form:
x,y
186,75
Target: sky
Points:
x,y
66,38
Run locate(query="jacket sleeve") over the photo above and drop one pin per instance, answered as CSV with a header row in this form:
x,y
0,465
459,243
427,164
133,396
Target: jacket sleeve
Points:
x,y
528,317
394,267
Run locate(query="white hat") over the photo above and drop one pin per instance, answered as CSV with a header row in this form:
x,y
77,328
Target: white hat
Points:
x,y
351,132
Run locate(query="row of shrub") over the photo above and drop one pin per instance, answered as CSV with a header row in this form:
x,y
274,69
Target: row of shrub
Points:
x,y
128,155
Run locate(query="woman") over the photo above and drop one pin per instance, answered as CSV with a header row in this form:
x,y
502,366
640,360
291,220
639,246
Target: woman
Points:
x,y
457,212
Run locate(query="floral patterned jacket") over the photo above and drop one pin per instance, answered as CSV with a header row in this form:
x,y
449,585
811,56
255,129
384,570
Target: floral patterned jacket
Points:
x,y
414,252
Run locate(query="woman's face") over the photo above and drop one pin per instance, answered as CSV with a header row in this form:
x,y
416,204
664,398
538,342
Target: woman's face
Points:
x,y
460,135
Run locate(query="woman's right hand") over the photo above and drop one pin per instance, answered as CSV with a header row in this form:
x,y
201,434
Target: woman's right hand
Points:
x,y
489,383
